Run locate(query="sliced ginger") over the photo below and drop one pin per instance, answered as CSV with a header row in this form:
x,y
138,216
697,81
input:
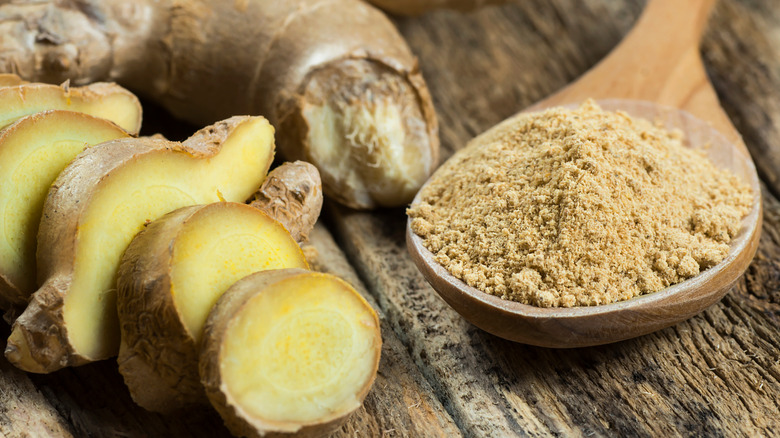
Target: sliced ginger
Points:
x,y
10,79
109,101
287,351
171,276
33,151
364,134
292,194
96,206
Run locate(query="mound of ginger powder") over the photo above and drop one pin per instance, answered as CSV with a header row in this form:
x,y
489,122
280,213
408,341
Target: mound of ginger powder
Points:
x,y
578,208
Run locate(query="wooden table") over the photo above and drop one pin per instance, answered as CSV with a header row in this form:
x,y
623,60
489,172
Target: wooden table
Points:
x,y
716,374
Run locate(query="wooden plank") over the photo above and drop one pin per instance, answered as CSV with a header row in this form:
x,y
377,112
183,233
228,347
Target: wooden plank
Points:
x,y
401,403
717,373
742,53
704,376
24,411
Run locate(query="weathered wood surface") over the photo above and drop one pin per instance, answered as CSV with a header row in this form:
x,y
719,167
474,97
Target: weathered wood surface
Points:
x,y
716,374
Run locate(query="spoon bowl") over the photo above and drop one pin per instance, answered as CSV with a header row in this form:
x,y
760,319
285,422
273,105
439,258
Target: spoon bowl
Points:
x,y
585,326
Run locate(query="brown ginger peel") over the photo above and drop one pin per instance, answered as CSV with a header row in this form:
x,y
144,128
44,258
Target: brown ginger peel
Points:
x,y
292,194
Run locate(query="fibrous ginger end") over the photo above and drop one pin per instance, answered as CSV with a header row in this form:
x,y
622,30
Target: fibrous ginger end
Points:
x,y
578,208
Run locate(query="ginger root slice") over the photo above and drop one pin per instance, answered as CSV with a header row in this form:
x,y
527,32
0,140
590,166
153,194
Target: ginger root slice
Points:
x,y
292,194
171,276
10,79
362,131
33,152
108,101
93,210
419,7
288,351
334,76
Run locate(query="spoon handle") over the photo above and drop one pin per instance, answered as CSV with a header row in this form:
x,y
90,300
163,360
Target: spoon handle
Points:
x,y
672,27
658,61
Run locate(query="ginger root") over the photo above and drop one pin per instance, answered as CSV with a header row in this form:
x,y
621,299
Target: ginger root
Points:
x,y
10,79
108,101
289,351
292,194
93,210
33,152
171,276
334,76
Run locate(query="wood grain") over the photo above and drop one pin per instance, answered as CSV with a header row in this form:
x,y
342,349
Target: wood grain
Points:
x,y
716,375
741,49
25,411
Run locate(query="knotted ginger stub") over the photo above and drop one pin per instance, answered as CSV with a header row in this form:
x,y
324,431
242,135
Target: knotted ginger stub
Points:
x,y
577,208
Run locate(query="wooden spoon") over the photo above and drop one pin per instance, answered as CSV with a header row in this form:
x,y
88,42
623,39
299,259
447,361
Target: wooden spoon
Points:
x,y
658,67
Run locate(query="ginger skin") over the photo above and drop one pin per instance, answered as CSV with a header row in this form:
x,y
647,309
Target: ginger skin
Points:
x,y
325,110
292,194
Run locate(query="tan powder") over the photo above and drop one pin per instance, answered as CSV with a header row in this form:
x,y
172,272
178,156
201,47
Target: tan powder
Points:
x,y
579,208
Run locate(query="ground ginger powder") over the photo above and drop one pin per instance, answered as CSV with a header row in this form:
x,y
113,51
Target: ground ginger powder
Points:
x,y
579,208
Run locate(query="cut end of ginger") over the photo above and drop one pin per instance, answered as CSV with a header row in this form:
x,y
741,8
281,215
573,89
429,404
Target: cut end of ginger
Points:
x,y
33,151
101,200
289,349
367,134
176,269
105,100
218,245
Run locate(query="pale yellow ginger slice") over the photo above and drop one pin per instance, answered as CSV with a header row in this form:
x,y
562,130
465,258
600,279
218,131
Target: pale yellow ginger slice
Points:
x,y
95,208
171,276
33,151
10,79
106,100
289,351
